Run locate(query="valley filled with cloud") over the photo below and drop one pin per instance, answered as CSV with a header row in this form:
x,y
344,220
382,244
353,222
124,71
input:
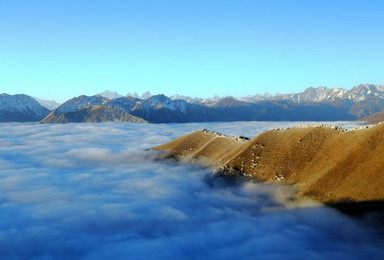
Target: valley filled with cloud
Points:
x,y
94,191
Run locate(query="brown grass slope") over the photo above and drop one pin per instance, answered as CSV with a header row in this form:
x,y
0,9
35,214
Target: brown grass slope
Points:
x,y
323,163
374,118
205,146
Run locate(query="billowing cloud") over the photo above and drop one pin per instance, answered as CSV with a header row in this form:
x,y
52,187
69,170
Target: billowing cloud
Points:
x,y
91,191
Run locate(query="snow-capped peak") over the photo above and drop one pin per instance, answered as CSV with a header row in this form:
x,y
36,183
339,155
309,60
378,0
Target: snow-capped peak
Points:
x,y
110,95
162,101
20,108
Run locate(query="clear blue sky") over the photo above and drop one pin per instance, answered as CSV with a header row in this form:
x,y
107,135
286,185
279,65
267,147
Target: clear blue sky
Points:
x,y
63,48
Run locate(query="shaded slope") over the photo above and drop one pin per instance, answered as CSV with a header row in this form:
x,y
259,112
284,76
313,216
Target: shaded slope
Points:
x,y
323,162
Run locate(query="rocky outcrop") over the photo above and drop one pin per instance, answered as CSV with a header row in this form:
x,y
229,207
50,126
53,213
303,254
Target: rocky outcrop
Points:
x,y
325,163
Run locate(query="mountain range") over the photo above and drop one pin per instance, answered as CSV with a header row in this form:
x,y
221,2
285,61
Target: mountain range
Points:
x,y
313,104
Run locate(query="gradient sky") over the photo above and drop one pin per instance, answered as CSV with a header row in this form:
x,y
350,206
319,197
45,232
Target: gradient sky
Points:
x,y
61,49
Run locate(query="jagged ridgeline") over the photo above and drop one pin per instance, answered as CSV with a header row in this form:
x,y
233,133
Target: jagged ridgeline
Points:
x,y
314,104
161,109
326,163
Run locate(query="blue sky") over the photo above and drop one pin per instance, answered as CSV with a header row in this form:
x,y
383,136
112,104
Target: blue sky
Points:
x,y
61,49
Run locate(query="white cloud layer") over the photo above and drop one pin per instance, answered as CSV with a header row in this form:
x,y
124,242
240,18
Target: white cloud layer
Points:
x,y
91,191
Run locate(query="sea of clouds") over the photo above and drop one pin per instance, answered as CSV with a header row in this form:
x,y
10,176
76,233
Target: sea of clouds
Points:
x,y
92,191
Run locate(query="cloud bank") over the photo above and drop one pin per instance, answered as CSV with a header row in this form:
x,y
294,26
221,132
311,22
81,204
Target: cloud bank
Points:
x,y
91,191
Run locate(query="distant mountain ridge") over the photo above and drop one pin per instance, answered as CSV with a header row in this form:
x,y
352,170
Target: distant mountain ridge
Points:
x,y
329,95
313,104
311,94
156,109
49,104
319,95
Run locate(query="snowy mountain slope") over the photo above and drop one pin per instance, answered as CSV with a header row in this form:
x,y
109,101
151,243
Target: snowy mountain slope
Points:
x,y
20,108
162,101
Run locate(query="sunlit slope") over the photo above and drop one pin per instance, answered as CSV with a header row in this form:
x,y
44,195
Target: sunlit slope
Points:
x,y
324,163
205,146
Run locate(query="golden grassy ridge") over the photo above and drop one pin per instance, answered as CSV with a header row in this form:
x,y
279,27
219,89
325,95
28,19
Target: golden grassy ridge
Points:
x,y
322,162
